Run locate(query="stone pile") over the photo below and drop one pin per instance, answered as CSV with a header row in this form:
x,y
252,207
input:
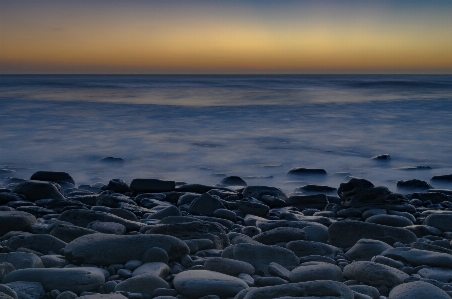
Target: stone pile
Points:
x,y
167,240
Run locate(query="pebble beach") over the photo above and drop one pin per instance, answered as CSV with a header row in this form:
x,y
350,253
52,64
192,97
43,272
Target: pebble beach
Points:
x,y
163,239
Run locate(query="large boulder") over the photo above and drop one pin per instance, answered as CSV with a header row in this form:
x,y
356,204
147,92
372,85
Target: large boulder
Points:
x,y
15,221
35,190
52,176
346,233
198,283
417,290
366,249
66,279
441,221
106,249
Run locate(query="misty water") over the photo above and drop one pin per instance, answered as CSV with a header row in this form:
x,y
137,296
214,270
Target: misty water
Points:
x,y
199,129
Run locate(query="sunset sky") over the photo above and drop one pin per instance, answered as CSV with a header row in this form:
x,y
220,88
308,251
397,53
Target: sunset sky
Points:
x,y
260,36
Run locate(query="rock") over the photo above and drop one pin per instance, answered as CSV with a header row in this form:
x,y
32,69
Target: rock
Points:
x,y
228,266
205,205
8,291
258,192
112,160
383,157
113,200
345,234
434,197
280,235
303,248
155,254
15,221
68,233
446,177
233,181
157,269
27,289
417,257
107,227
84,217
417,290
414,184
35,190
310,290
370,291
41,243
439,274
422,230
68,279
152,185
277,270
253,208
372,212
316,271
197,283
144,284
306,171
165,212
390,220
52,176
21,260
366,249
374,274
315,188
260,256
318,201
54,261
118,186
5,268
225,214
442,222
103,249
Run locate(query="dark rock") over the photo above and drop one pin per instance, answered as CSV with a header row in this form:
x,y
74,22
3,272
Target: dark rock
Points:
x,y
374,274
442,222
112,160
366,249
152,185
280,235
15,221
306,171
303,248
258,192
446,177
228,266
233,181
118,186
434,197
390,220
35,190
318,201
417,257
415,168
417,290
165,212
414,184
41,243
253,208
315,188
52,176
7,197
383,157
205,205
316,271
144,284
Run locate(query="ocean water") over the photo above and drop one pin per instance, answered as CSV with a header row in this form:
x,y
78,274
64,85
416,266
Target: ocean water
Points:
x,y
201,128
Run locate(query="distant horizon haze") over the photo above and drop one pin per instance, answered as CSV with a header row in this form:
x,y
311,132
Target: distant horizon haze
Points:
x,y
233,37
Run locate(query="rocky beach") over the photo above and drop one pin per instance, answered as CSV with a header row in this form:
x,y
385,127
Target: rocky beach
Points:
x,y
166,239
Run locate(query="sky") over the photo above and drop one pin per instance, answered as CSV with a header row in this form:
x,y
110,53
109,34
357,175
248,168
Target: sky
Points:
x,y
225,37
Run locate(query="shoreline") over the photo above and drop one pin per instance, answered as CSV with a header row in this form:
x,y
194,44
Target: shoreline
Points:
x,y
165,239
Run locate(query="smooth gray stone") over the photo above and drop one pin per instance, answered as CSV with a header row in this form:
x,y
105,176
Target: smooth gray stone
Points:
x,y
372,212
156,269
144,284
305,248
118,186
21,260
258,191
387,261
422,230
374,274
67,279
228,266
311,289
316,271
42,243
35,190
370,291
277,270
27,289
103,296
260,256
390,220
103,249
197,283
269,281
69,232
280,235
54,261
15,221
82,218
8,291
418,257
417,290
113,200
206,204
5,268
442,222
440,274
152,185
297,217
67,295
253,208
366,249
155,254
107,227
225,214
165,212
346,233
317,201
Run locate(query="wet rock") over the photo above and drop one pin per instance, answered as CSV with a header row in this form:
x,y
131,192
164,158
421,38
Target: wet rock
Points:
x,y
15,221
144,284
315,188
417,257
228,266
366,249
68,279
414,184
152,185
301,202
35,190
374,274
306,248
233,181
345,234
21,260
97,248
156,268
258,192
253,208
68,233
112,160
52,176
205,205
442,222
118,186
107,227
390,220
195,284
383,157
417,290
316,271
306,171
113,200
41,243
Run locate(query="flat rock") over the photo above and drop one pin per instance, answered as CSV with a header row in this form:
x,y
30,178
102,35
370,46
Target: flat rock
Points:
x,y
8,291
21,260
103,249
311,289
52,176
442,222
374,274
69,232
206,204
445,177
35,190
440,274
15,221
228,266
42,243
417,257
144,284
366,249
258,192
198,283
316,271
306,171
280,235
260,256
318,201
417,290
345,234
108,227
303,248
68,279
390,220
157,269
152,185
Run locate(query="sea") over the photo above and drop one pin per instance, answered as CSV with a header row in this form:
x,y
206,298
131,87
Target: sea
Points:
x,y
201,128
